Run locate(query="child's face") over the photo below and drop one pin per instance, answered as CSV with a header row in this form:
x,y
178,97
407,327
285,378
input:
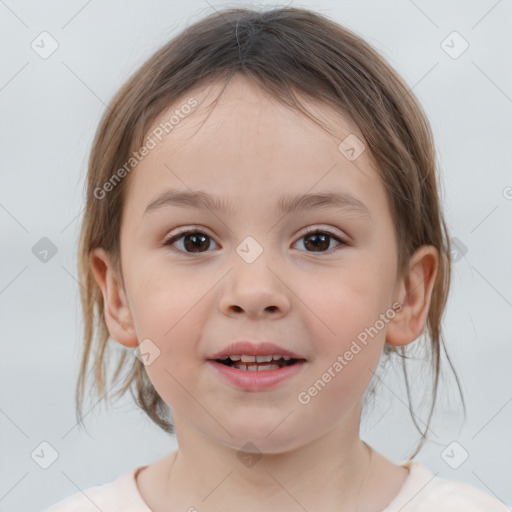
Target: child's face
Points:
x,y
251,151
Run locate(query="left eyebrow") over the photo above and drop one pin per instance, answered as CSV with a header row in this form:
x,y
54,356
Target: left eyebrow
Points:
x,y
286,203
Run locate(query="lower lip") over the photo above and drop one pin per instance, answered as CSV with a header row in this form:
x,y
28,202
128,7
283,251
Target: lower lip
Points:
x,y
258,380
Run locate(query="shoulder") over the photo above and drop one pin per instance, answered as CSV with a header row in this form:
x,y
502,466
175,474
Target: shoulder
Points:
x,y
452,495
114,496
425,492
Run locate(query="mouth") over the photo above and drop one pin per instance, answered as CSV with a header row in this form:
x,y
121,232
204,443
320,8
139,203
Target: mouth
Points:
x,y
249,374
258,363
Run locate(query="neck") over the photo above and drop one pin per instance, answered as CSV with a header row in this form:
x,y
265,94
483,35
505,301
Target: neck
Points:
x,y
217,477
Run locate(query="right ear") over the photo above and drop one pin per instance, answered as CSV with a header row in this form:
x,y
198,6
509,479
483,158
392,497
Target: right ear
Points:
x,y
118,316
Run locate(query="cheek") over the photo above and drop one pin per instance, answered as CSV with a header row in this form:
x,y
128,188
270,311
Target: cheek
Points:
x,y
162,299
343,304
168,309
345,319
345,361
172,319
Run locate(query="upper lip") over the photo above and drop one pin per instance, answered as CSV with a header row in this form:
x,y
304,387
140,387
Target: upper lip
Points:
x,y
248,348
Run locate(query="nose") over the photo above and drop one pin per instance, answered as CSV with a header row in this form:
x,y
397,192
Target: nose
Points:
x,y
256,289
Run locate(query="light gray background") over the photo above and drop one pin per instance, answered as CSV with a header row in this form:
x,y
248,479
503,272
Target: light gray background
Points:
x,y
50,110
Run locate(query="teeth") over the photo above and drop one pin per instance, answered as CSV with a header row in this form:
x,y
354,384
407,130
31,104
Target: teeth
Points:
x,y
257,359
263,359
256,367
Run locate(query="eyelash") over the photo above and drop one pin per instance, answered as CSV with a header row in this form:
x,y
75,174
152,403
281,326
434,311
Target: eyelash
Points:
x,y
179,236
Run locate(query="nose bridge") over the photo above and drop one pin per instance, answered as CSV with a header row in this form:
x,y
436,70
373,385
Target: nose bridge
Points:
x,y
254,282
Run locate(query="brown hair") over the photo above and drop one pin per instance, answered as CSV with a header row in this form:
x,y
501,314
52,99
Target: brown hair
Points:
x,y
283,50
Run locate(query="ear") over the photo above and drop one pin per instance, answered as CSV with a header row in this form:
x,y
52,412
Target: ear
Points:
x,y
414,294
117,313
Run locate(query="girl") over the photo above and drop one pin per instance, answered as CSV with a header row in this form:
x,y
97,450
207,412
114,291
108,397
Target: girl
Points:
x,y
262,224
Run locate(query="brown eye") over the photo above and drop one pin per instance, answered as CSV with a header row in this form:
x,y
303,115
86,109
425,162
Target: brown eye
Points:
x,y
192,241
319,240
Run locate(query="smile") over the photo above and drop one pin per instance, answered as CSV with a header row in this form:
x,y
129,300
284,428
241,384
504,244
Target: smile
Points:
x,y
257,363
257,375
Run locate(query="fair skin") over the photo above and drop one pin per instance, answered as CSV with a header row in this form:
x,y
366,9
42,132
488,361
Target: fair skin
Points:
x,y
252,150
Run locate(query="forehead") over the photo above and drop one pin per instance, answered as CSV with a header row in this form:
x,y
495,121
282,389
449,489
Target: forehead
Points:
x,y
243,109
243,143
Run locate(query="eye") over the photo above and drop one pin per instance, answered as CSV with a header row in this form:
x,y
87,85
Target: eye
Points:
x,y
318,238
194,241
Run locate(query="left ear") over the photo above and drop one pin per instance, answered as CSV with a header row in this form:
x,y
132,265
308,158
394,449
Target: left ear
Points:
x,y
414,294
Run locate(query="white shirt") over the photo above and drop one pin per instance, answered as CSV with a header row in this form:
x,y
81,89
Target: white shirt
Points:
x,y
421,492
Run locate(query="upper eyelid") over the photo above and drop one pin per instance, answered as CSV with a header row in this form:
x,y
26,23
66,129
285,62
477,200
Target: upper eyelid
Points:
x,y
332,231
201,229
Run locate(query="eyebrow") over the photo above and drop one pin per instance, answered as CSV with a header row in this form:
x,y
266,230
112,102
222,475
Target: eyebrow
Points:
x,y
286,203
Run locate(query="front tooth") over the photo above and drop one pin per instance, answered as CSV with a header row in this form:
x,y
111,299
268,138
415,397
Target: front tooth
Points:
x,y
248,359
256,367
268,367
263,359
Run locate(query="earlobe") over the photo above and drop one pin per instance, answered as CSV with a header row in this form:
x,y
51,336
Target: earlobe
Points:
x,y
415,292
117,313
